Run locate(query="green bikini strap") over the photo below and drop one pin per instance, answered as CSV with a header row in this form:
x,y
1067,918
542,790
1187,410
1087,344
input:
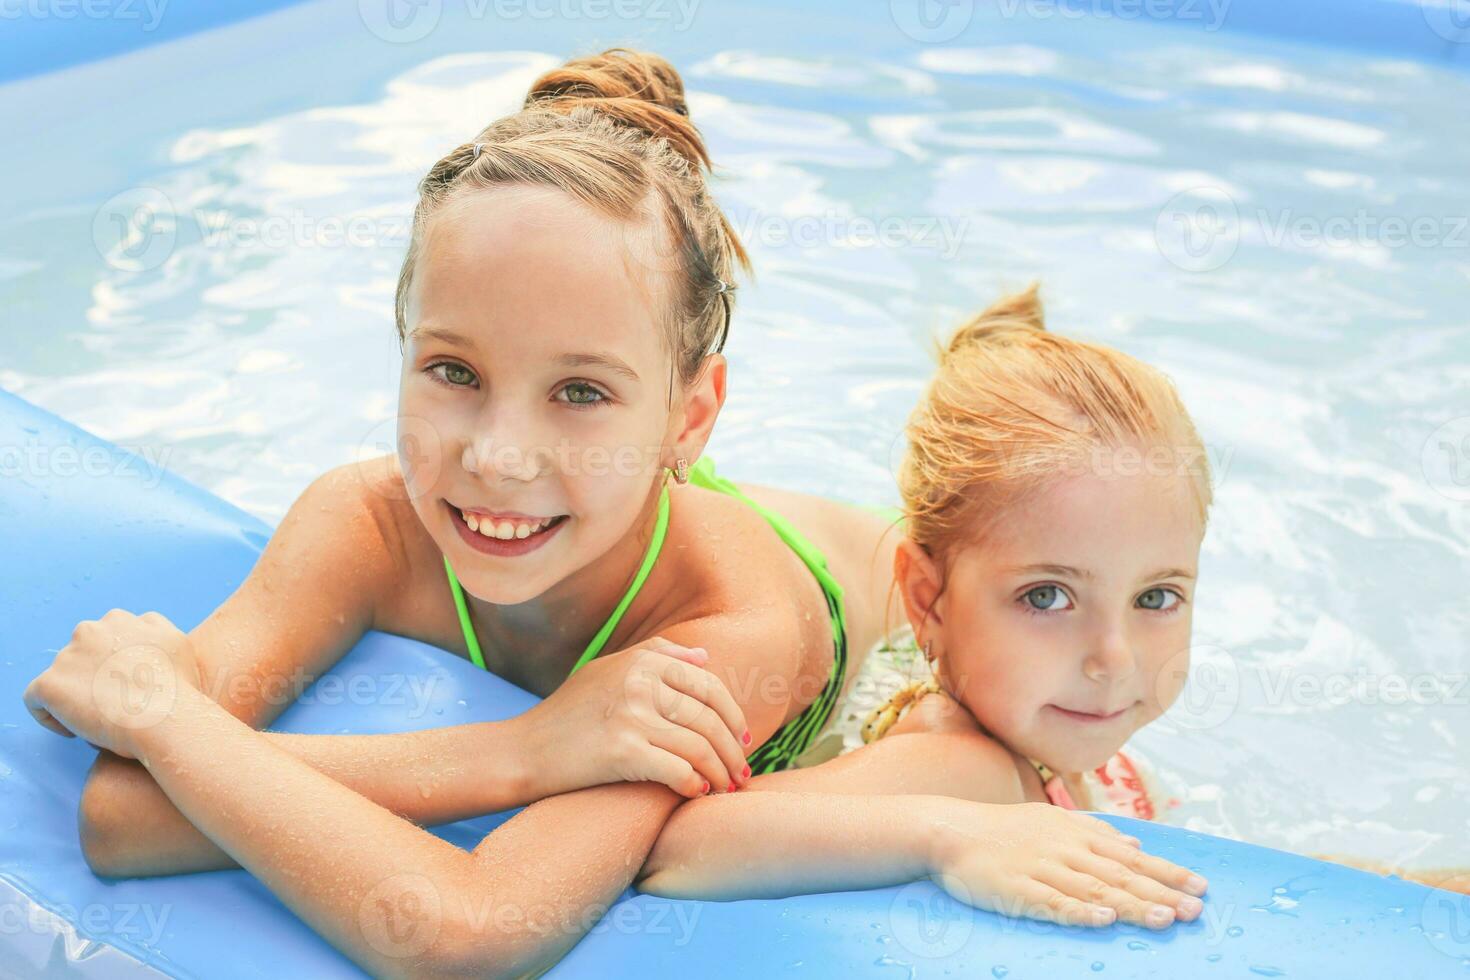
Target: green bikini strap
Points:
x,y
660,530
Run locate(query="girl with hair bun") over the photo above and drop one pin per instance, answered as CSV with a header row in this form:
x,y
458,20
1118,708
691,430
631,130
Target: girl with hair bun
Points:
x,y
1055,494
561,308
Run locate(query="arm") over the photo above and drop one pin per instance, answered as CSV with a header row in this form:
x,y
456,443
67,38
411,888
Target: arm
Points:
x,y
524,897
941,805
394,898
130,827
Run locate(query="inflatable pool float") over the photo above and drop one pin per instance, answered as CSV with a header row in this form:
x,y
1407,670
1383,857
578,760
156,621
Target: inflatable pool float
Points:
x,y
87,527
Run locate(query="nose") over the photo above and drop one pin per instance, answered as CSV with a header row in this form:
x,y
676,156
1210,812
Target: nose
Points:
x,y
504,447
1110,657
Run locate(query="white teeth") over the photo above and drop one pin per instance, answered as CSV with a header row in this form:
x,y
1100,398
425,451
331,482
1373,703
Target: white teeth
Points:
x,y
503,530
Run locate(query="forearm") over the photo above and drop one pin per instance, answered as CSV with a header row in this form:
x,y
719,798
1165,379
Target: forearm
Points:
x,y
350,868
130,827
773,845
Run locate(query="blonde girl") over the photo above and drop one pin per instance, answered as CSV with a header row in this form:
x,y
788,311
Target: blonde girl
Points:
x,y
1055,497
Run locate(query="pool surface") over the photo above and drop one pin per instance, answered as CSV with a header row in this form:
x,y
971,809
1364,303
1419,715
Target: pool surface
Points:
x,y
1281,227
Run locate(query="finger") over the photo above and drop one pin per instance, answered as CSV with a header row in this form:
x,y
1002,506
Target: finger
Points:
x,y
1167,872
1186,907
36,705
1038,900
710,692
704,732
1086,888
1102,826
705,686
693,749
662,766
695,655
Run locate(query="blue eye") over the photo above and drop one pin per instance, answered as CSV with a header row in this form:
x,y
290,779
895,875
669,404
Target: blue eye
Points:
x,y
1158,600
454,375
582,395
1046,598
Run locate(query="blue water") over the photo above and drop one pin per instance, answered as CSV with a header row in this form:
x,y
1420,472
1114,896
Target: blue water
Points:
x,y
1226,207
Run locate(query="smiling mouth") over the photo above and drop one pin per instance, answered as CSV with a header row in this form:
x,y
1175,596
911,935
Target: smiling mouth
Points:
x,y
1092,717
507,528
504,535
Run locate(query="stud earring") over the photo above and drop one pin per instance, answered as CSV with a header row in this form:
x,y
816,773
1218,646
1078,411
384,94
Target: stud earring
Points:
x,y
681,470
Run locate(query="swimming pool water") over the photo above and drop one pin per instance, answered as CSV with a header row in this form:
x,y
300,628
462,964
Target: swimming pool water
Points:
x,y
1281,228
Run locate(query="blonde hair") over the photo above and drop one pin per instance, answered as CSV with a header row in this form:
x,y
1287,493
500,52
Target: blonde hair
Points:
x,y
613,131
1013,405
1010,407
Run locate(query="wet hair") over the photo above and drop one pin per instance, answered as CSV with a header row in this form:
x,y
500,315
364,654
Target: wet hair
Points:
x,y
613,131
1013,406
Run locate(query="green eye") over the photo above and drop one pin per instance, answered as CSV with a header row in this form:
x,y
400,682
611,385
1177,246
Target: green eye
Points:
x,y
580,393
1159,599
455,375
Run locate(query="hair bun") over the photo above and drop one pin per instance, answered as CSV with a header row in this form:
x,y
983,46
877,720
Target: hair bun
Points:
x,y
1018,313
633,88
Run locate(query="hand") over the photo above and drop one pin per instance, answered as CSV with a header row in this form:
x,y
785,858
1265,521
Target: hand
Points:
x,y
117,676
1042,862
650,712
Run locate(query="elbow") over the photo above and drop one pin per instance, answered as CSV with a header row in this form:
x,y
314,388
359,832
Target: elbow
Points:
x,y
482,939
97,820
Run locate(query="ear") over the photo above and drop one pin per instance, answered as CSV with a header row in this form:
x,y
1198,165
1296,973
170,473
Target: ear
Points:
x,y
920,582
690,429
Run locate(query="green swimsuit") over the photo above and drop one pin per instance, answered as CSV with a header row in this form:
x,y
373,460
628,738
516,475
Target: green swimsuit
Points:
x,y
792,738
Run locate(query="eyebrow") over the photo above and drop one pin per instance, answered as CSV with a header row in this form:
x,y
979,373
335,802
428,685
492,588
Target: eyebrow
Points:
x,y
439,333
608,361
1082,573
614,364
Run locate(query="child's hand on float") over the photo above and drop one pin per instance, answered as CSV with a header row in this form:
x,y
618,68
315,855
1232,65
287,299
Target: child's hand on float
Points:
x,y
647,713
117,677
1038,861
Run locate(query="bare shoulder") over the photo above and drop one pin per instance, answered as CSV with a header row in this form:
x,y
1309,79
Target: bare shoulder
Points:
x,y
938,713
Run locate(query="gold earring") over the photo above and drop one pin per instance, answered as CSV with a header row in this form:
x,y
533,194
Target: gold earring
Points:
x,y
681,470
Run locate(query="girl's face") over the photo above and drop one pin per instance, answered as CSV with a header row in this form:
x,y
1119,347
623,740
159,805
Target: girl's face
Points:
x,y
1067,628
534,399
